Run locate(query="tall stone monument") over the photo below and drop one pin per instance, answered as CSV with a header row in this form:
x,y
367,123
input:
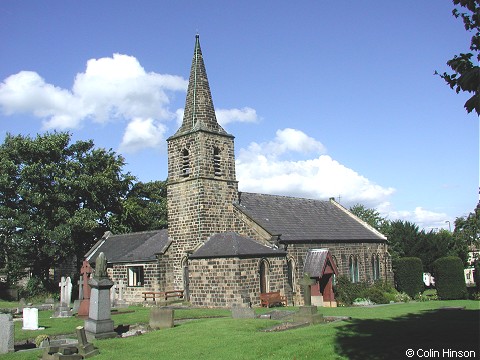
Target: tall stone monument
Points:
x,y
99,323
6,333
308,312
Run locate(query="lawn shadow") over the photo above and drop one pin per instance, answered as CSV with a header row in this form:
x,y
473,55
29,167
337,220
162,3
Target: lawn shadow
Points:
x,y
435,330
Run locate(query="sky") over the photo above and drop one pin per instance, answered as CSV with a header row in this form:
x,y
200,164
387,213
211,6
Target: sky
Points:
x,y
324,98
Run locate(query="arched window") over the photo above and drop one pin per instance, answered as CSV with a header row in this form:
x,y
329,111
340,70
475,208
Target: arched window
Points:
x,y
354,269
291,273
264,286
185,163
375,267
216,162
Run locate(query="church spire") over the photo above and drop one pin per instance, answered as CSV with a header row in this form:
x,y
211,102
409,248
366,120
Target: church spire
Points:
x,y
199,110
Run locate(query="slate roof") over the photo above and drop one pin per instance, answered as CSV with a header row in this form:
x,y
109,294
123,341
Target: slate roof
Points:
x,y
230,244
315,262
298,220
132,247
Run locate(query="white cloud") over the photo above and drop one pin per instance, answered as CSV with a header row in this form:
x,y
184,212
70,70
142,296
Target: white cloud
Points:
x,y
425,219
226,116
259,169
109,89
286,140
141,134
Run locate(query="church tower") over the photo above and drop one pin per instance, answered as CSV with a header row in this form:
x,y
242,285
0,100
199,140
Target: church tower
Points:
x,y
202,186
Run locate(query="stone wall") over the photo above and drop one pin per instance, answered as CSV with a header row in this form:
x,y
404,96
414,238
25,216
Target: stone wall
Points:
x,y
200,199
341,253
224,282
152,276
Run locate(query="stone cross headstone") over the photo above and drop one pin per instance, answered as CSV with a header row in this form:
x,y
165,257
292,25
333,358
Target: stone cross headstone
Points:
x,y
6,333
85,272
30,319
99,323
120,301
68,291
307,282
63,310
63,293
113,294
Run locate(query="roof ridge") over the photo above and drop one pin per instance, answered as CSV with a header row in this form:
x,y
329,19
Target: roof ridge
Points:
x,y
284,196
137,232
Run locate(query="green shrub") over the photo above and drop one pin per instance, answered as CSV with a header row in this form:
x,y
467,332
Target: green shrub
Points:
x,y
449,278
402,297
36,289
376,295
346,291
409,275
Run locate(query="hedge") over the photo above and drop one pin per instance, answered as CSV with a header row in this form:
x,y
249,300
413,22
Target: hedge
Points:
x,y
450,278
409,275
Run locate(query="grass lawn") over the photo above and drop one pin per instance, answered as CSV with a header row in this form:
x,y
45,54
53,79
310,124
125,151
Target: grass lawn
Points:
x,y
381,332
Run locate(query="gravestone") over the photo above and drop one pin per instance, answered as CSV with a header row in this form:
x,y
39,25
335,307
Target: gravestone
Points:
x,y
85,348
30,319
6,333
120,301
99,323
50,302
161,318
242,312
85,291
113,295
21,304
63,309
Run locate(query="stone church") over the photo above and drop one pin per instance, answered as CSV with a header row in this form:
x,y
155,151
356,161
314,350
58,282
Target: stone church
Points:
x,y
225,247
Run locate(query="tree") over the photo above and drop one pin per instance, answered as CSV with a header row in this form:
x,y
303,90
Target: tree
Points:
x,y
371,216
467,228
144,208
409,275
56,198
403,239
449,278
466,76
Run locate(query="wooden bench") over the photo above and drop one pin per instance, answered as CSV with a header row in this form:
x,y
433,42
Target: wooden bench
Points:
x,y
272,298
153,295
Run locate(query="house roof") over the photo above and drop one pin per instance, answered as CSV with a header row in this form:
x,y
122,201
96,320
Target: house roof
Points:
x,y
132,247
306,220
230,244
315,262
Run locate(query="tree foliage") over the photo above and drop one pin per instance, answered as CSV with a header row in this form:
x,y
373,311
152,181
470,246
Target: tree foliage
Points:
x,y
55,199
371,216
409,275
467,228
143,208
466,75
449,278
405,239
